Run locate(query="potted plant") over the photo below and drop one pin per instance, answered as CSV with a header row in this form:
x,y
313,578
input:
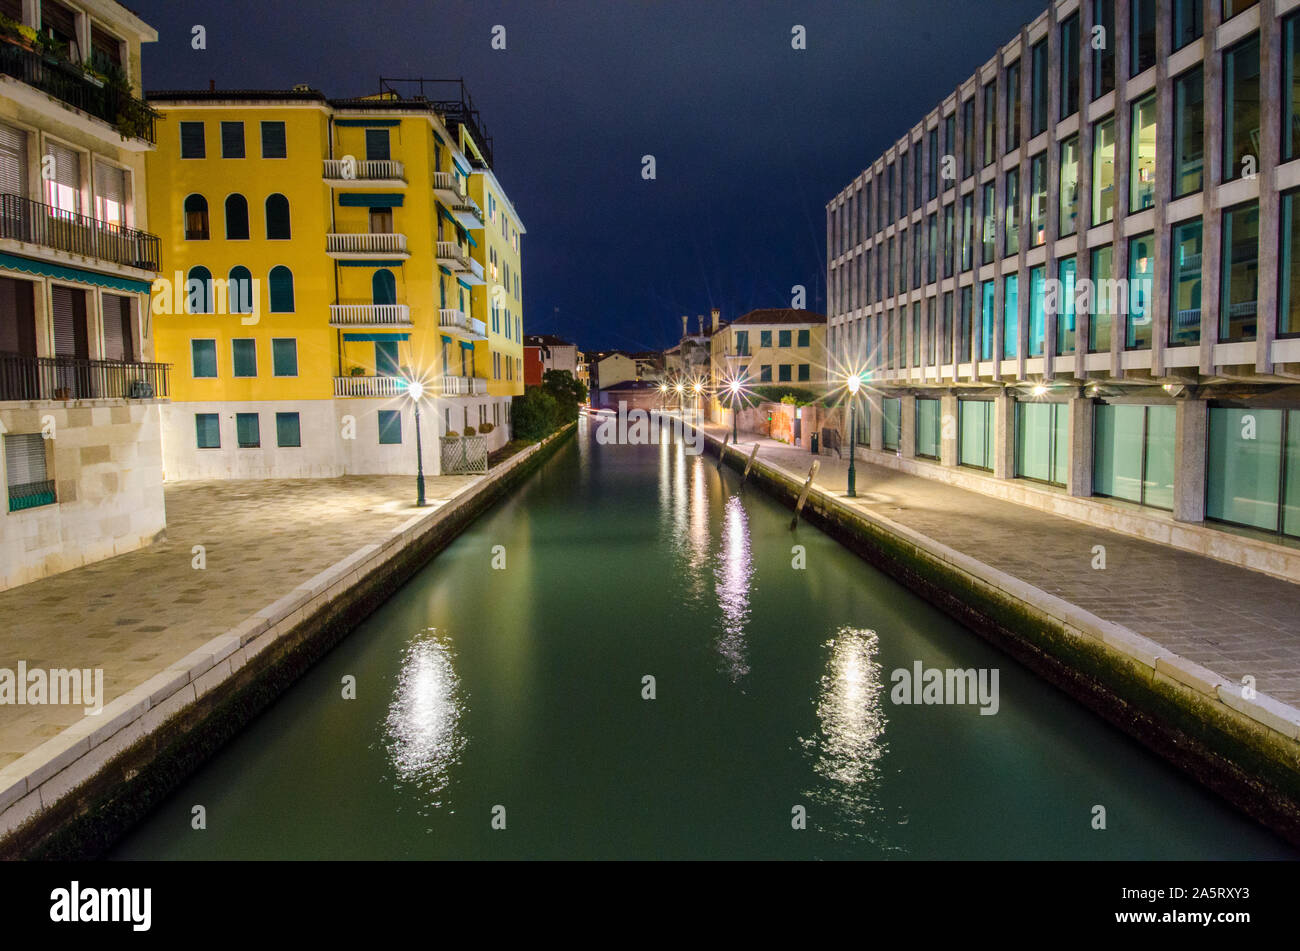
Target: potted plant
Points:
x,y
485,429
356,371
471,431
452,434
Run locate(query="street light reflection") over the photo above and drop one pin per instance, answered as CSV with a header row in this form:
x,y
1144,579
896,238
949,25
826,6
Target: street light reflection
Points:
x,y
421,730
733,575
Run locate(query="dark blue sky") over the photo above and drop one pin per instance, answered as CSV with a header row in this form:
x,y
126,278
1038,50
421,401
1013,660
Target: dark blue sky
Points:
x,y
751,137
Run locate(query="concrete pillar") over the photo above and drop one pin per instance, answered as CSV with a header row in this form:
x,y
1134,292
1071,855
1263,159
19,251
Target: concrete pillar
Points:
x,y
907,427
1004,436
948,430
1078,481
1191,435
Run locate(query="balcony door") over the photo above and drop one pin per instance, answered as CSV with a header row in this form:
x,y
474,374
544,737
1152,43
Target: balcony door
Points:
x,y
18,372
377,145
63,188
383,288
119,340
386,358
71,342
13,179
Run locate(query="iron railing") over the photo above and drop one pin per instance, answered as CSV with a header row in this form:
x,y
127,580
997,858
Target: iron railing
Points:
x,y
65,81
71,378
22,219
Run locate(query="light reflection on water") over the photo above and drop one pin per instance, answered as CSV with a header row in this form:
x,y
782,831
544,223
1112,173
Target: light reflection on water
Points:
x,y
733,573
421,731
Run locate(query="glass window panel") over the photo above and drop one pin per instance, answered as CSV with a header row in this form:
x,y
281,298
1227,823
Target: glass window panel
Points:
x,y
964,325
1103,56
1185,316
1038,200
1158,484
1189,132
1241,91
891,416
1291,504
1103,171
1142,155
1065,318
1240,280
1037,305
1010,316
1117,451
1291,88
1187,22
1141,274
1034,432
927,428
1069,187
990,224
967,230
1142,52
1288,320
1104,303
1012,99
988,295
1070,66
975,431
1038,92
1244,466
947,240
990,123
1011,214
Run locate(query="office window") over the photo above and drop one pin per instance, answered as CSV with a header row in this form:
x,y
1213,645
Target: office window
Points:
x,y
783,373
988,295
1241,89
927,428
931,332
945,331
1011,214
1189,132
273,140
916,334
232,140
1069,187
917,230
1042,441
1133,453
1232,7
1253,468
1037,309
1141,274
1185,280
1038,90
207,431
280,284
968,138
1012,101
196,218
1288,322
192,141
288,430
932,273
247,431
964,324
904,179
1038,200
1187,22
889,269
975,434
990,123
932,163
988,248
1010,316
284,356
243,354
805,372
1103,58
1063,306
1142,35
203,359
889,195
765,373
949,172
1142,155
1291,88
277,218
236,218
1070,66
918,171
891,413
1104,303
1103,171
967,230
805,338
947,239
1240,280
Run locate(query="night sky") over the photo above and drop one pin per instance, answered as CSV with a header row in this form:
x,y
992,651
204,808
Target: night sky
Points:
x,y
751,138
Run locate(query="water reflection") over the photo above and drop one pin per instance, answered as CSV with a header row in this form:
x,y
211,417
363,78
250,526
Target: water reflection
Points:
x,y
421,730
849,745
734,571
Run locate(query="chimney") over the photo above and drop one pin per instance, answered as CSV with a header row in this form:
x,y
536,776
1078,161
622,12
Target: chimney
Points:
x,y
700,318
212,85
715,313
684,320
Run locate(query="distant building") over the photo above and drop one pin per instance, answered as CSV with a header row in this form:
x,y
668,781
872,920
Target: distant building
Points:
x,y
691,358
611,367
770,347
636,394
549,352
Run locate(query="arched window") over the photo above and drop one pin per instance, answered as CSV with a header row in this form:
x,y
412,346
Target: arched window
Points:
x,y
281,286
383,287
240,290
277,218
196,218
198,290
236,218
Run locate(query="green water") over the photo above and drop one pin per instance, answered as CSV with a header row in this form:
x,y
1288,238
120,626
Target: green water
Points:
x,y
523,688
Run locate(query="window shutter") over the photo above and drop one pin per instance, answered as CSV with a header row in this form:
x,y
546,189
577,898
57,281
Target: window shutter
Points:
x,y
273,140
25,459
192,142
232,140
110,194
64,188
65,321
116,331
13,161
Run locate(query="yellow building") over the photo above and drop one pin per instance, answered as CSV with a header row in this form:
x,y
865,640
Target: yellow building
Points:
x,y
80,394
319,255
777,347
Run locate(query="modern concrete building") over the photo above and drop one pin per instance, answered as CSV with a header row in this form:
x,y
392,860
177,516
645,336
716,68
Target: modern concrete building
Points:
x,y
80,393
1076,281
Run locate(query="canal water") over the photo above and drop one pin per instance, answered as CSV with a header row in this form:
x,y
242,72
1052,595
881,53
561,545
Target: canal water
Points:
x,y
516,695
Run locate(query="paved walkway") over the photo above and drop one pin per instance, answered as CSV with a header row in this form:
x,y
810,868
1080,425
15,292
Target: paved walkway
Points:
x,y
135,614
1229,619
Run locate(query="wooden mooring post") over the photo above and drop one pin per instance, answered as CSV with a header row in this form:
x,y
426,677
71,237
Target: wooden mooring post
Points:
x,y
752,453
722,450
803,496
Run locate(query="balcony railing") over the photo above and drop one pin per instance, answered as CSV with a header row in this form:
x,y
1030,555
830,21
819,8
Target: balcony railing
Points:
x,y
459,320
451,254
24,220
462,385
70,378
65,81
363,243
369,170
466,211
369,386
377,315
447,186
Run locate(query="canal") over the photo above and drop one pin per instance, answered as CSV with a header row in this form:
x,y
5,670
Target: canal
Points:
x,y
518,694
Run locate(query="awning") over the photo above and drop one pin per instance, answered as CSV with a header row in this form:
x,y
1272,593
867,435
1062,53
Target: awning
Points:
x,y
362,200
370,263
466,346
61,273
372,123
375,337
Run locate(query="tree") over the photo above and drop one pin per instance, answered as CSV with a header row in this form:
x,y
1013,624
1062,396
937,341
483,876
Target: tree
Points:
x,y
535,414
569,393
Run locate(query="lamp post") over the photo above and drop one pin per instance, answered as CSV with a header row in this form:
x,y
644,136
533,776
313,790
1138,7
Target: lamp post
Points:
x,y
680,408
415,390
699,391
734,386
853,382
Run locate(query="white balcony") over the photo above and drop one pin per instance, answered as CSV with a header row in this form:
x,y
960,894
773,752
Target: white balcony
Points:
x,y
467,212
451,255
475,273
350,173
372,386
447,188
366,245
370,315
462,385
450,318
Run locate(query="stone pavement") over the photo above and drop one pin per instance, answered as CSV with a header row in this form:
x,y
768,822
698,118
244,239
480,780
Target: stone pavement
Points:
x,y
1229,619
135,614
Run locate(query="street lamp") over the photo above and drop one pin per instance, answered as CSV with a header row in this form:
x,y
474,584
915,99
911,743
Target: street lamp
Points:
x,y
415,390
734,386
699,390
853,382
679,395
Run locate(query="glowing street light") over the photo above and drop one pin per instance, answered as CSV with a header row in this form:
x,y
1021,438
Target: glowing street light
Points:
x,y
854,382
734,386
415,390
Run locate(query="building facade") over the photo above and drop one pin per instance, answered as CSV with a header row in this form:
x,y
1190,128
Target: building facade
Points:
x,y
778,347
548,352
1080,271
319,255
80,388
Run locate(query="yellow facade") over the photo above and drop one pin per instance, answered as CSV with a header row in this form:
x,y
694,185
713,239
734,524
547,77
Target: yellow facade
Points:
x,y
390,262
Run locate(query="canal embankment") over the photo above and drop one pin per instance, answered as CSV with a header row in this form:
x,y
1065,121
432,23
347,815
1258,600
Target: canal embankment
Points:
x,y
1221,726
73,795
